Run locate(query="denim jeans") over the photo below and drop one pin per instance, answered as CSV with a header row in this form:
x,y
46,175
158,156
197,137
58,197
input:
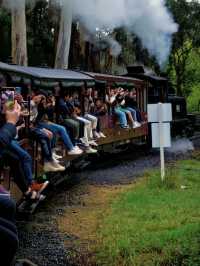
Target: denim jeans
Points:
x,y
138,113
121,115
133,112
61,131
12,159
25,159
38,135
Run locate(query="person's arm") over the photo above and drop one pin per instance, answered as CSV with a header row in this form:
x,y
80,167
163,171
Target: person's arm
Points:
x,y
8,131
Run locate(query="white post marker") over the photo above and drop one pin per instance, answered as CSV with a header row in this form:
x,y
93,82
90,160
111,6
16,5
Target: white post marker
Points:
x,y
160,115
161,136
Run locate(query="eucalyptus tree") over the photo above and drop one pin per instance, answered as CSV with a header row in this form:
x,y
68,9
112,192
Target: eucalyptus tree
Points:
x,y
18,31
64,38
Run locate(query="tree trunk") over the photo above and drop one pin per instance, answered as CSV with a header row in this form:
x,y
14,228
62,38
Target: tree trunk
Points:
x,y
19,42
64,39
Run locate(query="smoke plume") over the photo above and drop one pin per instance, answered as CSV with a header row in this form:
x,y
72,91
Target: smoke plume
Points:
x,y
150,20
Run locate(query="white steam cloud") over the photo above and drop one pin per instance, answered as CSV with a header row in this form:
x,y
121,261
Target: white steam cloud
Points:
x,y
150,20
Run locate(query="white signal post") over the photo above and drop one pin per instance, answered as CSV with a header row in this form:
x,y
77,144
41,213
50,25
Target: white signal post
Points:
x,y
160,115
162,155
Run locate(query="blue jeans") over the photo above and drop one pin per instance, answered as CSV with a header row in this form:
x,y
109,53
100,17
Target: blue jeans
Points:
x,y
61,131
25,159
122,117
133,112
38,135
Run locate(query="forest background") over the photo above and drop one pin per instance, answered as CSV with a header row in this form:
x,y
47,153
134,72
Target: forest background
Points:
x,y
43,21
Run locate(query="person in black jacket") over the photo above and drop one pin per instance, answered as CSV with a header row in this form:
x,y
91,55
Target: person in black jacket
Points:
x,y
11,157
8,231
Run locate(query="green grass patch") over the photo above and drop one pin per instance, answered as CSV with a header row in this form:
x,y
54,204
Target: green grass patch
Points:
x,y
155,222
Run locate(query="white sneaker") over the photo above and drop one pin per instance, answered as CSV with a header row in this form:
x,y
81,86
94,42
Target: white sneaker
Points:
x,y
77,148
90,150
102,135
49,167
56,160
134,126
96,135
138,124
75,151
58,166
93,143
56,156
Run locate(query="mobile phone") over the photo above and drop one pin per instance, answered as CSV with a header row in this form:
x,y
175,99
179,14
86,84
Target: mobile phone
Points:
x,y
7,98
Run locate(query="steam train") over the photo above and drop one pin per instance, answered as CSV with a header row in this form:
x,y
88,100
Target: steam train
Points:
x,y
148,88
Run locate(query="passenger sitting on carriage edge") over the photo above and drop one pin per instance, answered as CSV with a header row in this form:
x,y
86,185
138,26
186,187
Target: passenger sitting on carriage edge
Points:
x,y
89,106
116,108
66,110
71,119
8,231
55,129
120,108
20,168
130,112
44,137
87,138
100,109
130,101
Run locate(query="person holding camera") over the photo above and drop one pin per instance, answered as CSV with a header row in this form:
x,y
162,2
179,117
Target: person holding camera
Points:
x,y
8,231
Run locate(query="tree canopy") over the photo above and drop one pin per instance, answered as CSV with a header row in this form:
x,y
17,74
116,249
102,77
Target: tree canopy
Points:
x,y
44,20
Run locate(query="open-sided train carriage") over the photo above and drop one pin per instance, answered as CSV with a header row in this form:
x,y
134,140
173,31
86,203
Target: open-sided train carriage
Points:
x,y
28,78
116,135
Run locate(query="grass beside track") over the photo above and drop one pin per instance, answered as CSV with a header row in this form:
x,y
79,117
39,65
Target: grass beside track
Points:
x,y
154,223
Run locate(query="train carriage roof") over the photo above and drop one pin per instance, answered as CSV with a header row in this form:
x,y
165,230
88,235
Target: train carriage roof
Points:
x,y
48,77
118,80
68,77
140,72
